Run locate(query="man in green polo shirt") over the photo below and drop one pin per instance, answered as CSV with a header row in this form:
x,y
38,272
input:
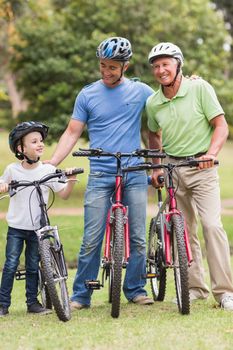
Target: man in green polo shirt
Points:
x,y
186,119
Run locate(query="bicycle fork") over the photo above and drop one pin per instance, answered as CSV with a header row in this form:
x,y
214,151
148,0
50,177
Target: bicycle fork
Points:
x,y
51,232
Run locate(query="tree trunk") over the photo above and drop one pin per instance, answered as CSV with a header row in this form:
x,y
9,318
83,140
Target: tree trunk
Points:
x,y
17,102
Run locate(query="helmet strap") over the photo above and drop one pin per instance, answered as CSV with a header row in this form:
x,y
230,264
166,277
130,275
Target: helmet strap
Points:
x,y
31,161
178,68
28,160
122,71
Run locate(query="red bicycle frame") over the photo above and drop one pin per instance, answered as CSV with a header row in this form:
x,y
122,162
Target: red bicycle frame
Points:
x,y
110,221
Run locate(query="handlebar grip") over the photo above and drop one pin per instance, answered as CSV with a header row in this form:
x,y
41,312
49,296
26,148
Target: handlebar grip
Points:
x,y
75,172
130,168
81,154
156,155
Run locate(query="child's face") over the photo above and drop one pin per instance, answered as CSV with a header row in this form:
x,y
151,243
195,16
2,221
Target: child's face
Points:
x,y
33,145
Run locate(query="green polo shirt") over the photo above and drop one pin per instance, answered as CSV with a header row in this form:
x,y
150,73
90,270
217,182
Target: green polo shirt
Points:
x,y
184,119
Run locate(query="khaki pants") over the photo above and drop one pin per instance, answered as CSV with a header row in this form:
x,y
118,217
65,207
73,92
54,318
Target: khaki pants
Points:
x,y
199,194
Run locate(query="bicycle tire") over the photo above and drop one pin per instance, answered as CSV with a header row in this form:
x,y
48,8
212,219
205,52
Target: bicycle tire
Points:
x,y
55,280
180,262
155,262
43,291
117,257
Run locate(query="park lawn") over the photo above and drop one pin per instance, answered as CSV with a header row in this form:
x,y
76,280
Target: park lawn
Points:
x,y
159,326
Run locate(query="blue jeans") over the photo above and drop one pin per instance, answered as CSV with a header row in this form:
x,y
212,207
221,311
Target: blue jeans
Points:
x,y
14,247
99,190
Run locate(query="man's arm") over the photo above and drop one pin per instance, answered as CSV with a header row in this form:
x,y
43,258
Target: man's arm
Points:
x,y
155,142
67,141
218,139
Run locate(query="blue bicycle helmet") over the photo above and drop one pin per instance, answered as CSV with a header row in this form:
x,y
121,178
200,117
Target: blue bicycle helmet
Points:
x,y
115,48
21,130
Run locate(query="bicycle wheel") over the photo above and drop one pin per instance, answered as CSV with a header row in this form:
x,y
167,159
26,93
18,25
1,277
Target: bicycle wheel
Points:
x,y
117,257
55,279
180,262
110,286
155,262
43,291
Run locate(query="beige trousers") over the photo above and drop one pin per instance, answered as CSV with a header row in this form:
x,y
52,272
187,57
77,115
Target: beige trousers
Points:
x,y
199,195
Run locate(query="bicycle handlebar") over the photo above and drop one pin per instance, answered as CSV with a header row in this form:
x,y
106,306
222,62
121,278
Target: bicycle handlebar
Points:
x,y
13,185
148,166
99,152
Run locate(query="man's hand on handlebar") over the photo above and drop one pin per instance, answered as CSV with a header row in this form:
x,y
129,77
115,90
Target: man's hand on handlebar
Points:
x,y
209,164
69,173
156,176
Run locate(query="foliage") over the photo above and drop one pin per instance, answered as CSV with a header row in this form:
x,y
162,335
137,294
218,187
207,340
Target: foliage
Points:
x,y
55,56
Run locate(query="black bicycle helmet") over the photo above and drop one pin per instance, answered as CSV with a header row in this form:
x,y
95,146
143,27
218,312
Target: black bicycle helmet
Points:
x,y
115,48
21,130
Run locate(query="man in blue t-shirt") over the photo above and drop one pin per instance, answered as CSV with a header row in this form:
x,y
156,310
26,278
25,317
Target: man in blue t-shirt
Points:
x,y
111,109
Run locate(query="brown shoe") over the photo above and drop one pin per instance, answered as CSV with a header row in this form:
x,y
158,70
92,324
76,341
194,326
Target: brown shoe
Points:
x,y
143,300
75,305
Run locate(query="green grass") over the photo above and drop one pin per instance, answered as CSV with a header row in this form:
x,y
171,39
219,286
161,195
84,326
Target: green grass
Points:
x,y
139,327
71,231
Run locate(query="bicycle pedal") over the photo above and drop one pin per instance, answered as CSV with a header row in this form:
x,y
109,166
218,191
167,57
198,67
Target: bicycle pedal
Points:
x,y
20,275
93,284
151,275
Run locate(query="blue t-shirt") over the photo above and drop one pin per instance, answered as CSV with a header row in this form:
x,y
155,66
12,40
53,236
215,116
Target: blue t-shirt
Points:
x,y
113,118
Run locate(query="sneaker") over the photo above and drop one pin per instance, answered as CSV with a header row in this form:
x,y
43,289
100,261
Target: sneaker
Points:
x,y
143,300
3,311
227,303
37,308
75,305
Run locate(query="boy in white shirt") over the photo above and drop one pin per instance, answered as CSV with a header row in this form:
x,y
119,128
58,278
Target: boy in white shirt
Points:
x,y
26,141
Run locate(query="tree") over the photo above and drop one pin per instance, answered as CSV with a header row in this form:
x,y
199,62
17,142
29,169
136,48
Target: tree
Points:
x,y
55,56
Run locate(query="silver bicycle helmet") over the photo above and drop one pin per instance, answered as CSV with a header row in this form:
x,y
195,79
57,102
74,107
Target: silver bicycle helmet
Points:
x,y
115,48
21,130
166,49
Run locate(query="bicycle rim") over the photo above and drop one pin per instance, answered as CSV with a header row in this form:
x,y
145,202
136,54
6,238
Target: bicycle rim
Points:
x,y
55,280
180,262
117,257
155,262
110,286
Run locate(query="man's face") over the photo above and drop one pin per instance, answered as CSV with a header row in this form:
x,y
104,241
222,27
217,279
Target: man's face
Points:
x,y
164,69
111,71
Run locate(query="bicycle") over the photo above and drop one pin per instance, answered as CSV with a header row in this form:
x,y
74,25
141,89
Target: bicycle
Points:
x,y
117,246
52,272
168,242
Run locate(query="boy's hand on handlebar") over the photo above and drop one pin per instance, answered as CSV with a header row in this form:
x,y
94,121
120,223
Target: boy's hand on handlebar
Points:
x,y
4,187
208,164
69,173
155,178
